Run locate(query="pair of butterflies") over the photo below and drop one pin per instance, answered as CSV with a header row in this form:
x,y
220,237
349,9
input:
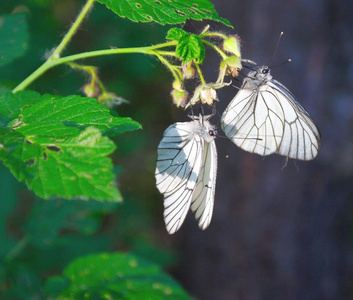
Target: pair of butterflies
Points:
x,y
263,118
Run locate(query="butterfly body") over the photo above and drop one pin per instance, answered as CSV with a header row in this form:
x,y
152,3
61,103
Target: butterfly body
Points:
x,y
186,171
265,118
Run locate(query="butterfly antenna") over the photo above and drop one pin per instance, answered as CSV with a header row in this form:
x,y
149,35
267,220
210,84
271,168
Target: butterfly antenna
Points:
x,y
282,63
274,54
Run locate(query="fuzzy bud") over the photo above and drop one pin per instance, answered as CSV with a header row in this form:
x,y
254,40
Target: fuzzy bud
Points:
x,y
91,90
208,95
180,97
232,45
188,71
230,66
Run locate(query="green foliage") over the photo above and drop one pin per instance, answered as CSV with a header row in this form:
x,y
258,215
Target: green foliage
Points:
x,y
113,276
190,46
13,37
55,144
62,148
164,11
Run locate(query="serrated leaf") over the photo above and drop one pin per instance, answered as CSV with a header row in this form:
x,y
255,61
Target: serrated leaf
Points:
x,y
72,111
164,11
77,167
56,145
189,47
12,104
113,276
13,37
176,34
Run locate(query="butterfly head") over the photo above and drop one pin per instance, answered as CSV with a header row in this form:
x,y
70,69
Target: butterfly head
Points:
x,y
257,77
262,72
204,129
213,132
265,70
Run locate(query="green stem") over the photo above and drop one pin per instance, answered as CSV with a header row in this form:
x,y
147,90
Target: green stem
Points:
x,y
213,34
221,53
176,73
200,73
54,62
17,249
93,72
73,29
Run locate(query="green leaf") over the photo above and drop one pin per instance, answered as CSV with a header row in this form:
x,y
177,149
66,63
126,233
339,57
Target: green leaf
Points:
x,y
56,144
69,113
113,276
177,34
13,37
164,11
12,104
190,46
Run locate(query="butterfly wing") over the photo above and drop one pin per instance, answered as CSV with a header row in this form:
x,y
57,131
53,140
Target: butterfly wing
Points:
x,y
269,120
178,166
254,121
301,137
203,197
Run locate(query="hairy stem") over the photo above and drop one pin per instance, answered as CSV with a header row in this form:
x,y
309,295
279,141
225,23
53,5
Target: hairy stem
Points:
x,y
73,29
221,53
54,62
200,73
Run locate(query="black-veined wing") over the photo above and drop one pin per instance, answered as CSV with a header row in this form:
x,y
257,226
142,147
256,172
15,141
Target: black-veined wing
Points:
x,y
265,118
186,172
203,197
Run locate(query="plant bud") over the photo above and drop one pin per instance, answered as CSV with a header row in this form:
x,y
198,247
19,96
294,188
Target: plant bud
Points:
x,y
208,95
232,45
230,66
188,71
179,97
91,90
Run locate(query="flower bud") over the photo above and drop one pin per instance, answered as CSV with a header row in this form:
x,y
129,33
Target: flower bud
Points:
x,y
232,45
90,90
177,85
180,97
208,95
230,66
188,70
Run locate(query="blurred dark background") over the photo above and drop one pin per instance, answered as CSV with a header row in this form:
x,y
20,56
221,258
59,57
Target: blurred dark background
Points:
x,y
277,232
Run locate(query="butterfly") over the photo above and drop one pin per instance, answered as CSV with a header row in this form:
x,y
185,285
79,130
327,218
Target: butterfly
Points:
x,y
264,118
186,171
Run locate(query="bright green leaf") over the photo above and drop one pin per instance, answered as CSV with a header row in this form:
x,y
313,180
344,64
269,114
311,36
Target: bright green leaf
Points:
x,y
190,46
13,37
113,276
12,104
164,11
176,34
56,145
75,112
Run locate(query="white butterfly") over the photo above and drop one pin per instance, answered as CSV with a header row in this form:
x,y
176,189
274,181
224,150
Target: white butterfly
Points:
x,y
186,171
264,118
